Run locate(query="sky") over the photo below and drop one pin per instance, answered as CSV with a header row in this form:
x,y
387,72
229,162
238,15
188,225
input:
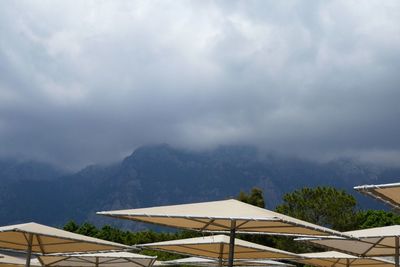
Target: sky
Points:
x,y
85,82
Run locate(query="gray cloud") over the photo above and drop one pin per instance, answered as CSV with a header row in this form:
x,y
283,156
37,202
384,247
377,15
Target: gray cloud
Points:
x,y
89,82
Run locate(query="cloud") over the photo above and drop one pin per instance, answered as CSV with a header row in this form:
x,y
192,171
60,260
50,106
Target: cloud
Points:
x,y
89,82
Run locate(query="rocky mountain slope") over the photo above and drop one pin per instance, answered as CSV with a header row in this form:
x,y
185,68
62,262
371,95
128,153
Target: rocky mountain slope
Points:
x,y
157,175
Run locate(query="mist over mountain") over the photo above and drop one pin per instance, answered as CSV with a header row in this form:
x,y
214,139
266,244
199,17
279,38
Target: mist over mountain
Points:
x,y
160,174
13,170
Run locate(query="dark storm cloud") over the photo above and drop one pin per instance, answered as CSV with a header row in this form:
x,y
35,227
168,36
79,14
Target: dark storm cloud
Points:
x,y
90,82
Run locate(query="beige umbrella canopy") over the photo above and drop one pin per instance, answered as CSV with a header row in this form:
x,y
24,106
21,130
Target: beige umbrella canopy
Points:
x,y
33,237
217,247
223,216
338,259
105,259
380,241
15,261
217,216
388,193
197,261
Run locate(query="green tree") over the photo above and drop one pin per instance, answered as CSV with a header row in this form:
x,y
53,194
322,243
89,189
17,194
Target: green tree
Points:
x,y
255,197
112,234
325,206
376,218
71,226
87,229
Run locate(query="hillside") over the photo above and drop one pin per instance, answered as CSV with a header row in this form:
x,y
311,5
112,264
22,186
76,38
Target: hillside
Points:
x,y
156,175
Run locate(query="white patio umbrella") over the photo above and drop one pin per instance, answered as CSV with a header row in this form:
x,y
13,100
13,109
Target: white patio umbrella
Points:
x,y
230,216
37,238
387,193
197,261
372,242
105,259
338,259
15,261
217,248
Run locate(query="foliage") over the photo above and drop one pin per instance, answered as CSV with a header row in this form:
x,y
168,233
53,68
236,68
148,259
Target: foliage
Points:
x,y
113,234
255,197
71,226
88,230
325,206
376,218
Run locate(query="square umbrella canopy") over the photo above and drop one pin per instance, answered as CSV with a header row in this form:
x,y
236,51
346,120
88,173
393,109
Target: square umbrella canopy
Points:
x,y
338,259
217,247
387,193
231,216
37,238
379,241
197,261
217,216
15,261
105,259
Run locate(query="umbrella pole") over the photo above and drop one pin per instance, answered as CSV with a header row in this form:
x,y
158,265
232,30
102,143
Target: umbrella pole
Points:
x,y
232,243
396,254
29,251
220,262
221,254
348,262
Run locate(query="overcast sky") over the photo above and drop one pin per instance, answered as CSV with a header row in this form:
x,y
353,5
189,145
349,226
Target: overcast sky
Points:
x,y
90,81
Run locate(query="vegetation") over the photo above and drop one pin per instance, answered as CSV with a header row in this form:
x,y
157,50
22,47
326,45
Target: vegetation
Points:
x,y
333,208
325,206
255,197
130,238
376,218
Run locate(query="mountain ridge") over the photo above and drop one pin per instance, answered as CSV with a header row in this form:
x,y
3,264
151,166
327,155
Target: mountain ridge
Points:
x,y
161,175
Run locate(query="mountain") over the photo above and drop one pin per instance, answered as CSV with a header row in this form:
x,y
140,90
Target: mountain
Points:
x,y
12,170
160,174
